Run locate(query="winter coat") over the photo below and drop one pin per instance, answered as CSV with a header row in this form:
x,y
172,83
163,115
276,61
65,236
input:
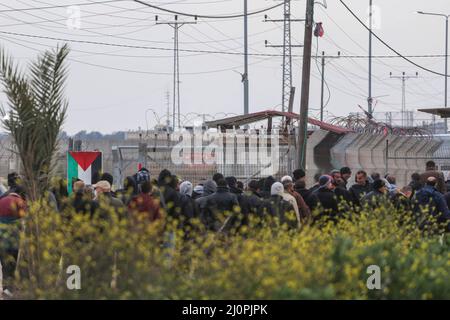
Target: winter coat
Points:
x,y
429,197
328,202
440,179
144,206
170,198
358,192
209,188
254,201
277,207
310,198
222,202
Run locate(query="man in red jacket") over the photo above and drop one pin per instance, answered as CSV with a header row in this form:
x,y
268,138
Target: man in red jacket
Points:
x,y
13,205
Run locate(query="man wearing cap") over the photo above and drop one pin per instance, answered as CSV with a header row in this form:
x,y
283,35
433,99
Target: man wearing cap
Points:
x,y
327,198
103,197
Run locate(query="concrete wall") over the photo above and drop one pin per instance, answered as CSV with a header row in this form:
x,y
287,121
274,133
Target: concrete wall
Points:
x,y
325,151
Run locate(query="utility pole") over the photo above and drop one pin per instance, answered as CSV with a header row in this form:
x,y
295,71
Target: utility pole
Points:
x,y
245,75
287,52
370,99
176,25
168,112
322,95
306,78
404,77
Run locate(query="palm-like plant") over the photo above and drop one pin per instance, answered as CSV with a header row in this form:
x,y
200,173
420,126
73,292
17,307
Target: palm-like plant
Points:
x,y
37,110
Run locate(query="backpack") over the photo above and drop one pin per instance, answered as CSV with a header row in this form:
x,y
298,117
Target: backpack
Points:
x,y
140,177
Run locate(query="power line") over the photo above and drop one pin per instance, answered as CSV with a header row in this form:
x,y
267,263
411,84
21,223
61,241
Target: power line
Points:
x,y
130,70
387,45
193,50
60,6
210,16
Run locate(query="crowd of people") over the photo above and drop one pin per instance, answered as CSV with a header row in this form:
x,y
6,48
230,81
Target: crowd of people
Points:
x,y
289,199
168,195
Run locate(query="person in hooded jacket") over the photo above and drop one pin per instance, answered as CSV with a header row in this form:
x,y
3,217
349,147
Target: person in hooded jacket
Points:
x,y
188,206
220,208
209,188
198,191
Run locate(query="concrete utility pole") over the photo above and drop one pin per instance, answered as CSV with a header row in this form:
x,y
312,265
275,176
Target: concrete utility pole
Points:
x,y
404,77
176,25
322,96
245,75
306,79
370,99
287,52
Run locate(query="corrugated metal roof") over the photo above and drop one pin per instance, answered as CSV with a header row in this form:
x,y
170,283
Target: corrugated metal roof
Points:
x,y
262,115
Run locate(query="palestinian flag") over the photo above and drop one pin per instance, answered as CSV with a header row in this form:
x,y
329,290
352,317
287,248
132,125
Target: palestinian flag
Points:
x,y
82,165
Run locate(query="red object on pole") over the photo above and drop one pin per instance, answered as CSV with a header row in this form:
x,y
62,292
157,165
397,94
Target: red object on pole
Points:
x,y
139,166
318,31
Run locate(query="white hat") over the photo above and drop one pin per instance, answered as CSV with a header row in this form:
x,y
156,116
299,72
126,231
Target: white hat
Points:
x,y
286,178
276,189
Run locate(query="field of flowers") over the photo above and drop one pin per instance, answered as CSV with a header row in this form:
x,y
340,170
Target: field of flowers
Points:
x,y
124,259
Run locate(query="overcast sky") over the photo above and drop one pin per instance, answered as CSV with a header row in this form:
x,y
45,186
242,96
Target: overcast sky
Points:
x,y
110,88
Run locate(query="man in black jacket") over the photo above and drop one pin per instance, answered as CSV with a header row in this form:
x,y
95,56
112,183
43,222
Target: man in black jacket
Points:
x,y
327,199
170,198
242,198
361,188
209,188
219,208
310,198
341,192
253,196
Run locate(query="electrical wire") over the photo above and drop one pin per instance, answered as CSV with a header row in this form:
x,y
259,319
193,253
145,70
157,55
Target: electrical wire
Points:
x,y
232,16
388,46
60,6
